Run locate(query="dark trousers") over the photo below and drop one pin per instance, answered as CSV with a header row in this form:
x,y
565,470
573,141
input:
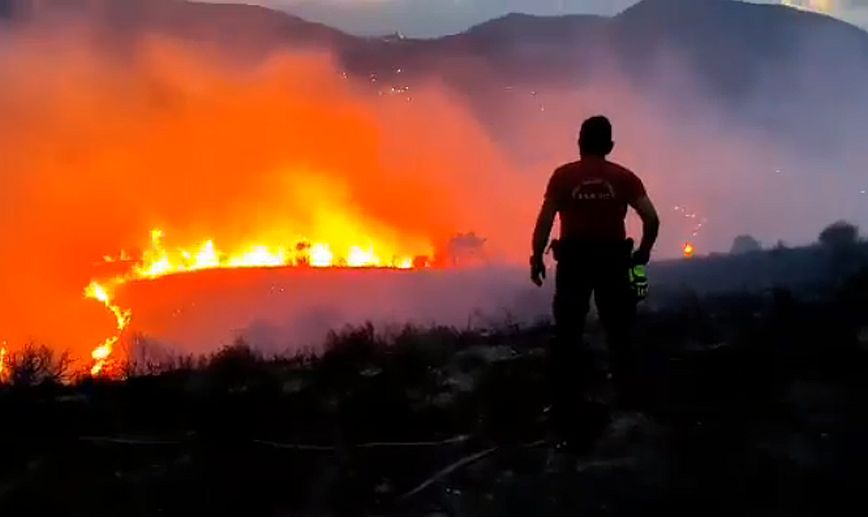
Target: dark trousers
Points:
x,y
585,269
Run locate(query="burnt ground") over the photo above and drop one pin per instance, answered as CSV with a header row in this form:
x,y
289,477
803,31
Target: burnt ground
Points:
x,y
755,406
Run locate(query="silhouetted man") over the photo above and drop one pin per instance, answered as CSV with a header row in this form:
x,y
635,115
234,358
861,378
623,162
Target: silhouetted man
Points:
x,y
591,197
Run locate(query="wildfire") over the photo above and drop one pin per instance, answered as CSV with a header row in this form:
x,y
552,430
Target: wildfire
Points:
x,y
103,352
159,261
3,372
688,250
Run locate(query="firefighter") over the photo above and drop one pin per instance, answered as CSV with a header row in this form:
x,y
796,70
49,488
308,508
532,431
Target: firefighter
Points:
x,y
591,197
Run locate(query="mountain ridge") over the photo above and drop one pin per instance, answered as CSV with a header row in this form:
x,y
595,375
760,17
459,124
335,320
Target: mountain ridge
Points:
x,y
735,53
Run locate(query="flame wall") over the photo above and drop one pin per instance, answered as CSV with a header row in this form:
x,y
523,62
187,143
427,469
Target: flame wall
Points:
x,y
98,151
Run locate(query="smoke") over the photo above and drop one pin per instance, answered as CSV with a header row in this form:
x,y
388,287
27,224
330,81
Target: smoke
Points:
x,y
98,151
103,143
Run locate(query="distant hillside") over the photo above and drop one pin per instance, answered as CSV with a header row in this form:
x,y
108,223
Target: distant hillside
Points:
x,y
735,52
729,44
234,26
808,270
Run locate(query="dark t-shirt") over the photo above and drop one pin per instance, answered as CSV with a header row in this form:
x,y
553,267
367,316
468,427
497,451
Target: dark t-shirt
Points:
x,y
592,196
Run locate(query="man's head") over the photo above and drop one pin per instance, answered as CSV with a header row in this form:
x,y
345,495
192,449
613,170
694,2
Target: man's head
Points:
x,y
595,138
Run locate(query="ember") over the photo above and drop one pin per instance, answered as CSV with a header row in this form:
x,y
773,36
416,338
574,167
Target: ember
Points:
x,y
688,250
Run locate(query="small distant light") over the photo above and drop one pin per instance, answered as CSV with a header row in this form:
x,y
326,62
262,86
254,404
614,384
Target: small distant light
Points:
x,y
863,192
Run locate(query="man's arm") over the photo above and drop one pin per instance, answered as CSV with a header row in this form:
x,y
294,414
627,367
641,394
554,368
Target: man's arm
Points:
x,y
544,222
650,228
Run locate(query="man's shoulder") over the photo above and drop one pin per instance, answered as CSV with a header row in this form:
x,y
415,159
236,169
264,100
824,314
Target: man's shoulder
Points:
x,y
623,173
560,181
564,172
577,167
617,168
567,168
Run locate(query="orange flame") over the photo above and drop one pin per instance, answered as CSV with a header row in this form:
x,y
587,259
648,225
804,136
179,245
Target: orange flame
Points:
x,y
3,368
688,250
103,352
159,261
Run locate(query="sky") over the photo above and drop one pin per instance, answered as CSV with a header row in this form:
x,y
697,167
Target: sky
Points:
x,y
429,18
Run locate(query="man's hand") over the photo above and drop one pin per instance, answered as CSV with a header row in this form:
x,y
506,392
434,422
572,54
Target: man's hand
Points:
x,y
537,270
541,232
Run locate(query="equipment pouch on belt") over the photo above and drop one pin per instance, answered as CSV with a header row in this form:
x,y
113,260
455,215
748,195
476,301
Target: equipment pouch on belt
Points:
x,y
639,281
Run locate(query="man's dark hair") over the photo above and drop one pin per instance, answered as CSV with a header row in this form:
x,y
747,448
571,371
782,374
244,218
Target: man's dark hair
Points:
x,y
595,138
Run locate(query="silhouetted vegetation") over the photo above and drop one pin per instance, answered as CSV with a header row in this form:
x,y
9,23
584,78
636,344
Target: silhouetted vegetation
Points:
x,y
754,405
37,365
807,271
745,244
839,235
